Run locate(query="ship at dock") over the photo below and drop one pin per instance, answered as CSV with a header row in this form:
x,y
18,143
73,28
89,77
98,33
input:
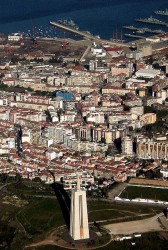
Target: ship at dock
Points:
x,y
151,20
69,23
143,30
161,12
134,36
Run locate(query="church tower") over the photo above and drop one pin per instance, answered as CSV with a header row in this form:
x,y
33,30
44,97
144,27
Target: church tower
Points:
x,y
79,228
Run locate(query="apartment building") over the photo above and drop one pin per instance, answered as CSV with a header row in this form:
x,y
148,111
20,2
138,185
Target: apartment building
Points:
x,y
127,145
148,118
152,149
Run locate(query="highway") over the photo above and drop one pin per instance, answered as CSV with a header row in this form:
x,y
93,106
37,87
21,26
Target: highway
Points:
x,y
87,35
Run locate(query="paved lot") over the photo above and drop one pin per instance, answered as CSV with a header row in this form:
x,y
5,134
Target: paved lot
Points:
x,y
155,223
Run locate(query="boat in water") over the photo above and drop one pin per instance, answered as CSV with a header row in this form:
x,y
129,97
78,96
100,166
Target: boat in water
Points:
x,y
161,12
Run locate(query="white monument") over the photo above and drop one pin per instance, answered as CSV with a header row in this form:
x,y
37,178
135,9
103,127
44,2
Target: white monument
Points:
x,y
79,228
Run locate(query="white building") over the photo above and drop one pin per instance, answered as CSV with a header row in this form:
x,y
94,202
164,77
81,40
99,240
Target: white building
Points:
x,y
97,117
98,51
93,65
137,110
15,37
147,73
127,146
164,171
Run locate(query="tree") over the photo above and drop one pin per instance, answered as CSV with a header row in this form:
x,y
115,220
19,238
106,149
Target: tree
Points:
x,y
18,177
149,109
37,179
149,174
4,177
156,66
149,60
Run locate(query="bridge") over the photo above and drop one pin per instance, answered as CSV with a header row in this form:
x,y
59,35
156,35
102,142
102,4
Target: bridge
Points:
x,y
87,35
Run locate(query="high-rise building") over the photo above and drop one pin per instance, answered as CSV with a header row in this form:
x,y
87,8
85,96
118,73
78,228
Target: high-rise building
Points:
x,y
79,228
127,145
152,149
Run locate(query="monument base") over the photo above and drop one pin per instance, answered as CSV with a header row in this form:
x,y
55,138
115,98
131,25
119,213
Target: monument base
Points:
x,y
61,237
96,240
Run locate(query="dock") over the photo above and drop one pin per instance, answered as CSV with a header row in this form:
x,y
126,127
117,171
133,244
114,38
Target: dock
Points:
x,y
144,29
87,35
152,21
135,36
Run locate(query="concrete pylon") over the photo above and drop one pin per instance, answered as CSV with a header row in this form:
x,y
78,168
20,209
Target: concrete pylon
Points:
x,y
79,228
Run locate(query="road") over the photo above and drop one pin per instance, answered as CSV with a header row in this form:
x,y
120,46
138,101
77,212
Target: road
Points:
x,y
85,53
116,190
155,223
3,186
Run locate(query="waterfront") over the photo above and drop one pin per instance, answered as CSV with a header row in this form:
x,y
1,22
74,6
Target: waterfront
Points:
x,y
99,17
87,118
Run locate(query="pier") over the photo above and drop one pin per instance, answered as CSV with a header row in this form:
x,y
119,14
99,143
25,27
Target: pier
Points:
x,y
152,20
87,35
144,29
135,36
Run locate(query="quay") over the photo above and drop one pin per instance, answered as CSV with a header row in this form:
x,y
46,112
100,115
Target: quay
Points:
x,y
87,35
144,29
152,20
135,36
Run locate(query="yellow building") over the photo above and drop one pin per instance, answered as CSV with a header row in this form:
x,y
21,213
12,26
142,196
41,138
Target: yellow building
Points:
x,y
148,118
153,150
